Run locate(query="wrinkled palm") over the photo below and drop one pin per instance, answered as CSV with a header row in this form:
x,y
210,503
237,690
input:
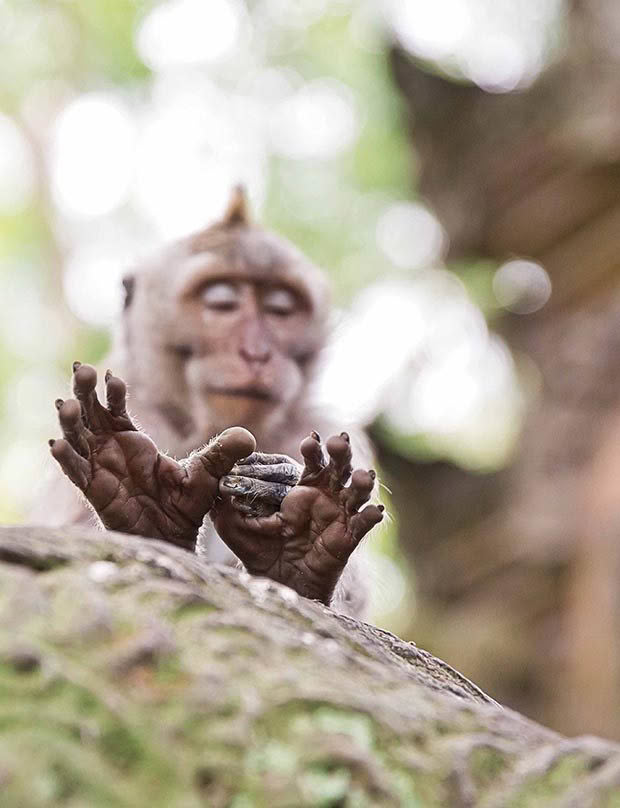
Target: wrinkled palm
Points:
x,y
307,543
130,484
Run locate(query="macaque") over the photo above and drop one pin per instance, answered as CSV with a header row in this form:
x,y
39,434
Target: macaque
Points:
x,y
218,342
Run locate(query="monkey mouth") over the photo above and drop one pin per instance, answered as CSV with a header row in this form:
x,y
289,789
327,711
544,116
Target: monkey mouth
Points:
x,y
256,393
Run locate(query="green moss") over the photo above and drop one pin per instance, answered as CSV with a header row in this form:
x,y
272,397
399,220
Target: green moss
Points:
x,y
358,727
191,608
273,756
326,789
242,801
415,791
486,765
121,747
543,788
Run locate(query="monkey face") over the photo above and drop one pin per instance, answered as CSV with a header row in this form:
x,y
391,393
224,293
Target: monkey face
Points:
x,y
252,350
236,318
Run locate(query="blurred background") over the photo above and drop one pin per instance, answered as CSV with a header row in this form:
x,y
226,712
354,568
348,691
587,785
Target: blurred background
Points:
x,y
455,167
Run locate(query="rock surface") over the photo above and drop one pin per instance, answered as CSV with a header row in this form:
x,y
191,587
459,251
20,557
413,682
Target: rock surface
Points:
x,y
134,674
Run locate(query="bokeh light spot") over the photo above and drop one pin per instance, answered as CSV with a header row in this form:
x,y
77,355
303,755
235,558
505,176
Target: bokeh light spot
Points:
x,y
92,284
498,44
521,286
410,235
196,143
92,155
185,32
431,28
320,120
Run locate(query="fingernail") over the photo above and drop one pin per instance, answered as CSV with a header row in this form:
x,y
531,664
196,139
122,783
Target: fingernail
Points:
x,y
381,508
345,435
76,365
51,442
373,474
108,375
316,436
232,482
58,403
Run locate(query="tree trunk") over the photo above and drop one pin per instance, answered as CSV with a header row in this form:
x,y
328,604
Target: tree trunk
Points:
x,y
518,572
133,674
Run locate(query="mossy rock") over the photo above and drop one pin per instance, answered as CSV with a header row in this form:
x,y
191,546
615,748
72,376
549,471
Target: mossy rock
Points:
x,y
134,674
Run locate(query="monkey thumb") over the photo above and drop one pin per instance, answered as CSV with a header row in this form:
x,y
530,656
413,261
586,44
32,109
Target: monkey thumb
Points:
x,y
228,447
237,440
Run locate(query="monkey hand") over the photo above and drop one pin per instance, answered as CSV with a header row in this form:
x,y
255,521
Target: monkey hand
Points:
x,y
307,543
258,484
130,484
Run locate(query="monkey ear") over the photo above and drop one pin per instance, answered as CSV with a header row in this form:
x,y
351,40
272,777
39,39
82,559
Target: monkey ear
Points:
x,y
129,284
237,210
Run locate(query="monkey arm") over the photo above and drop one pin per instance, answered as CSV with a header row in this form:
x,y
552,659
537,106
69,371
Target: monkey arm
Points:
x,y
132,486
307,543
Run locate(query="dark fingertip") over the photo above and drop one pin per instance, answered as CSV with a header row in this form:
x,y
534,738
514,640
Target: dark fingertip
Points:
x,y
51,442
316,436
58,403
310,447
85,378
69,411
337,446
115,393
76,365
236,441
345,435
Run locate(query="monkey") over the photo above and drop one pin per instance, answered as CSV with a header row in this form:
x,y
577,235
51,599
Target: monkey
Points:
x,y
223,329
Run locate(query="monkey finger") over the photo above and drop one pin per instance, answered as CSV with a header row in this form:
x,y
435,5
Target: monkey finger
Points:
x,y
358,493
251,507
264,459
84,383
314,461
74,465
72,426
235,521
339,450
116,393
221,454
252,490
286,473
242,506
365,520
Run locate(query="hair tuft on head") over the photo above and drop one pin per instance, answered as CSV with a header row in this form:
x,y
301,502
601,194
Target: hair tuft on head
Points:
x,y
237,210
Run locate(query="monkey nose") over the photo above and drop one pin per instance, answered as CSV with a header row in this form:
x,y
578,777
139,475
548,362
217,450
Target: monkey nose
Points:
x,y
255,353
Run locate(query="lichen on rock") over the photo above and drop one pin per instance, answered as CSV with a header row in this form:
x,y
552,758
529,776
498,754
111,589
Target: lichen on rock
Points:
x,y
132,674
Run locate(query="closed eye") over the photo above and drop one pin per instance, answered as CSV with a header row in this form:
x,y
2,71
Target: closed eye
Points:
x,y
280,301
221,296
